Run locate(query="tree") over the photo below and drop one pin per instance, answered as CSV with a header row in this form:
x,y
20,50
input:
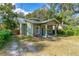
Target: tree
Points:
x,y
6,11
61,11
40,14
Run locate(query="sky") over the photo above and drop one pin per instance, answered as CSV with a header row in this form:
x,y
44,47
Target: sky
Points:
x,y
29,6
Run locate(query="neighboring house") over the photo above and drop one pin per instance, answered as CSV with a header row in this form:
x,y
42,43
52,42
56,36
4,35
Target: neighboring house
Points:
x,y
33,27
0,19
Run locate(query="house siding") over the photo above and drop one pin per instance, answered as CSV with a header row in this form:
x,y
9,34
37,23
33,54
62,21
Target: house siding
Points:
x,y
29,29
24,29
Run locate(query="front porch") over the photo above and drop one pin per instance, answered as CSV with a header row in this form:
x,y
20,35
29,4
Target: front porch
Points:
x,y
44,30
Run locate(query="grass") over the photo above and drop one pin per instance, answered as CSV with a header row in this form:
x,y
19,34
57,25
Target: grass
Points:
x,y
66,46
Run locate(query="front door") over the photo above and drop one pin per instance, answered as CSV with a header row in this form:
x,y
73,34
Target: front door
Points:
x,y
37,31
42,31
49,31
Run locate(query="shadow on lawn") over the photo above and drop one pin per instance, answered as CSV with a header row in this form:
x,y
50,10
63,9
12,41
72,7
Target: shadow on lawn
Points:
x,y
33,47
16,48
53,38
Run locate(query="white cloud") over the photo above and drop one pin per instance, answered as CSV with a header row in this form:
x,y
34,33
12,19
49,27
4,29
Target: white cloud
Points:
x,y
19,10
47,6
13,3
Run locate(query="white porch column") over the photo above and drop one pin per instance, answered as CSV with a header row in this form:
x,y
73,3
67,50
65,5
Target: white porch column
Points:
x,y
55,30
52,30
20,28
29,29
45,30
38,29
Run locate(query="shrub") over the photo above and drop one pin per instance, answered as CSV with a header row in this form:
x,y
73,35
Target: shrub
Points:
x,y
5,37
69,30
61,32
76,31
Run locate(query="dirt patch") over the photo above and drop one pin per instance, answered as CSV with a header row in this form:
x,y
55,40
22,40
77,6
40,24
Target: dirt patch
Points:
x,y
65,46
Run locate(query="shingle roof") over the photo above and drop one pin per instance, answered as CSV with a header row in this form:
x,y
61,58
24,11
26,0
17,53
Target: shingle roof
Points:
x,y
22,20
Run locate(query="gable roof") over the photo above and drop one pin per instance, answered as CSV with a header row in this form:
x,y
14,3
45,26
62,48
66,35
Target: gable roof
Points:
x,y
23,20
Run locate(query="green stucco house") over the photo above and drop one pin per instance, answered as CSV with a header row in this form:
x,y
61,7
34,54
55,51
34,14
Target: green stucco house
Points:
x,y
35,27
